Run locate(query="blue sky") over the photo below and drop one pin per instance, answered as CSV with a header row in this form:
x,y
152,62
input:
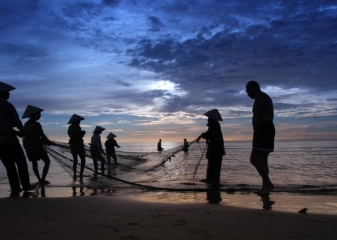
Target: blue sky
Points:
x,y
147,69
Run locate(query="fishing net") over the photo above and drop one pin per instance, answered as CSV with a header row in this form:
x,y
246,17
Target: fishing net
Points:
x,y
171,169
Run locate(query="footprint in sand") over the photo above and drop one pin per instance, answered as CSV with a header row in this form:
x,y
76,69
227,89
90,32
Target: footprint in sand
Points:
x,y
180,222
130,238
114,229
205,234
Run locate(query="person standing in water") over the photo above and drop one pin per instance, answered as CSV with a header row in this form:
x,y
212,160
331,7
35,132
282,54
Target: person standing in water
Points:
x,y
96,148
76,135
215,146
33,142
159,148
11,153
264,134
110,145
186,145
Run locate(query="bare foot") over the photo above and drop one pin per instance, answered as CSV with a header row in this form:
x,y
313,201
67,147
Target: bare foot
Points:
x,y
267,190
258,192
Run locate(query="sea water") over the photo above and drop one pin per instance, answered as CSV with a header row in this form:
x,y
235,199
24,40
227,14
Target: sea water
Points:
x,y
295,166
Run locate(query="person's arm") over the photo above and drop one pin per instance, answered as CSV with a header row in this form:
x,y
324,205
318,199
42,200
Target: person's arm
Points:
x,y
100,148
44,138
18,123
205,135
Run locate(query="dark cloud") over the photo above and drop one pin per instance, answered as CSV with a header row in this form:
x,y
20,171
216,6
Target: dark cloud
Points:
x,y
111,3
22,51
155,24
85,10
207,49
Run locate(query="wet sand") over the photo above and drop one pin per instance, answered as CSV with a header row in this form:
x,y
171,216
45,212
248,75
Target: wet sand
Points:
x,y
164,215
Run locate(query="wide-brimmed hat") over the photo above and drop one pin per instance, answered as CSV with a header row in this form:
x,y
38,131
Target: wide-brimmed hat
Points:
x,y
75,118
4,87
98,129
111,135
31,110
214,114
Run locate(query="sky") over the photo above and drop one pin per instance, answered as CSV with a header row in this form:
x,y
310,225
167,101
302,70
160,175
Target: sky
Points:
x,y
150,69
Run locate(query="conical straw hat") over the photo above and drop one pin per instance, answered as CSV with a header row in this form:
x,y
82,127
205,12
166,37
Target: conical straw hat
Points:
x,y
75,118
4,87
98,129
214,114
111,135
31,110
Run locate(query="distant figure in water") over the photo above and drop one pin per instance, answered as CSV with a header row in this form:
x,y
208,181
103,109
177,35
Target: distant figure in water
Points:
x,y
76,143
96,148
215,147
159,148
34,141
264,134
186,145
11,153
110,145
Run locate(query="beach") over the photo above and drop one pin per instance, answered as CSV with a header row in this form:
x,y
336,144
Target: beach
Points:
x,y
162,215
103,207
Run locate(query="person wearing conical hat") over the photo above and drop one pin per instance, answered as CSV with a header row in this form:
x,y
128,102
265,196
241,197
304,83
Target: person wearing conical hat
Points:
x,y
185,146
215,146
11,153
34,141
110,145
76,135
96,148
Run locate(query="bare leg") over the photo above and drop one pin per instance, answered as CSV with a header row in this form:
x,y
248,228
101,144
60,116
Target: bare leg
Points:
x,y
259,161
46,160
114,157
82,156
102,164
75,164
108,156
36,170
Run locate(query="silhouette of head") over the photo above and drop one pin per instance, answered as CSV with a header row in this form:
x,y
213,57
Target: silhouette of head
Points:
x,y
32,112
252,89
5,89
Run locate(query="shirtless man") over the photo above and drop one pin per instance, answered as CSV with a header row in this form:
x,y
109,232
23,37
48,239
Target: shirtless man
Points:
x,y
264,134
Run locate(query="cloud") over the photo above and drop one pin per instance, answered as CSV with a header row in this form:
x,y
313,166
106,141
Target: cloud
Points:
x,y
155,23
111,3
148,59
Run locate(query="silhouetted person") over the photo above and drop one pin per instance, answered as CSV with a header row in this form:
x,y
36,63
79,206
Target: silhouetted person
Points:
x,y
110,145
264,134
159,148
11,153
186,145
76,135
34,141
215,147
96,148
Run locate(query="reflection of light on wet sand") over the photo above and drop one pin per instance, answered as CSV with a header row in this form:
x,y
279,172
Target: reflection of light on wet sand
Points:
x,y
281,202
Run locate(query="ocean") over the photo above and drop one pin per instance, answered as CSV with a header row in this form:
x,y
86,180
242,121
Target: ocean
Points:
x,y
295,166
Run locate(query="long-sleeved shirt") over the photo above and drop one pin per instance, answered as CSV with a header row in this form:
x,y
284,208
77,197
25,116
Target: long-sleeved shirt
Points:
x,y
110,145
9,119
76,134
215,140
96,143
36,136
